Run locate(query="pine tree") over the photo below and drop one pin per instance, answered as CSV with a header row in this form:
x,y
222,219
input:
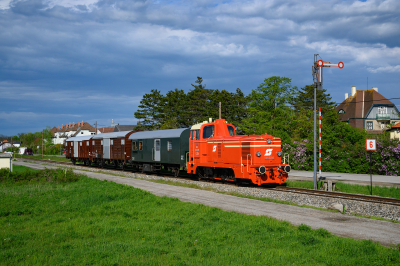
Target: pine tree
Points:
x,y
150,111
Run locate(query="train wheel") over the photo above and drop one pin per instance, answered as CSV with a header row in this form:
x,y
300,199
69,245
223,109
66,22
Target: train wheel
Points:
x,y
73,161
101,164
87,162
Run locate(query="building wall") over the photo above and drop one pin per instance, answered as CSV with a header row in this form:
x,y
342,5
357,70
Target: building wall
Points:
x,y
395,134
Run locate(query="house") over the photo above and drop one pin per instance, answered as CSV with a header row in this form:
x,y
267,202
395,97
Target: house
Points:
x,y
6,144
368,109
62,133
395,132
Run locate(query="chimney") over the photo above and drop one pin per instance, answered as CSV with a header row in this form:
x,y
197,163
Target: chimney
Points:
x,y
82,123
62,126
346,95
73,124
353,90
375,89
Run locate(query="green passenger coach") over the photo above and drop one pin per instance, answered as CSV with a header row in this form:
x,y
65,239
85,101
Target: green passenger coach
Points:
x,y
153,150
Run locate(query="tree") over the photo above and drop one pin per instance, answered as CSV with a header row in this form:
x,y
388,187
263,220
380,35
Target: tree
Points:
x,y
197,106
304,99
150,111
173,110
269,110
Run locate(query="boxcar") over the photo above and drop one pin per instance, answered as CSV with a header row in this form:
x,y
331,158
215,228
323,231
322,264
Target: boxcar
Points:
x,y
152,150
78,148
112,148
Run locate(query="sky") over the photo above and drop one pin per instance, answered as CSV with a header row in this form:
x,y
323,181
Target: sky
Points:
x,y
64,61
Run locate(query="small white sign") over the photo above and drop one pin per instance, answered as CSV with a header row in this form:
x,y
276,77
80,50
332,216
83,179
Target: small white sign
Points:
x,y
371,144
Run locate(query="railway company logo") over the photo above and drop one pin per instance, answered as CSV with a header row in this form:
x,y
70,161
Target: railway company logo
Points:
x,y
268,152
214,148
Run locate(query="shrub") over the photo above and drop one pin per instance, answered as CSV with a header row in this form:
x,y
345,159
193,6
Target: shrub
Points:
x,y
46,175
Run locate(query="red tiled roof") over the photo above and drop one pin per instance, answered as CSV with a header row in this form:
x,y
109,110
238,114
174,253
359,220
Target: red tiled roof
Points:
x,y
396,125
106,129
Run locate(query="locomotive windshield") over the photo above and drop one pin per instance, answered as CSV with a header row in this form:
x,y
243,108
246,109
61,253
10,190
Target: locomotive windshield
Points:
x,y
231,130
208,131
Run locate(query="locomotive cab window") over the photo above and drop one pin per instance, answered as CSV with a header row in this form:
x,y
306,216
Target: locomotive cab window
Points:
x,y
198,134
231,131
192,134
208,132
140,145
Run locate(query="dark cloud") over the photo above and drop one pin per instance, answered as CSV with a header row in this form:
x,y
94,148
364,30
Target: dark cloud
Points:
x,y
68,58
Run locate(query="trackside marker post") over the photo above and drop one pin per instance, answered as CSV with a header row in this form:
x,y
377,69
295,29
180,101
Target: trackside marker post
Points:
x,y
371,146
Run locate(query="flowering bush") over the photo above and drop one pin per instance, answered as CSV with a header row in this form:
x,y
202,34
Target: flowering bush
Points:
x,y
347,158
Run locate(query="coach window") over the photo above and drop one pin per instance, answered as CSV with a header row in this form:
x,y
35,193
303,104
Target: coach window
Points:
x,y
208,131
134,147
140,145
169,145
231,130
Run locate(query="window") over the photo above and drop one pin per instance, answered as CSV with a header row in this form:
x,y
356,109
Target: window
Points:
x,y
231,130
87,143
208,132
140,145
112,142
80,144
72,144
198,134
81,132
122,142
157,145
382,110
93,142
192,134
101,142
369,125
134,147
169,145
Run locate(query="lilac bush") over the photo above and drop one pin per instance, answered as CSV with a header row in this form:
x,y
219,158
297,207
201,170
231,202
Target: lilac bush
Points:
x,y
347,158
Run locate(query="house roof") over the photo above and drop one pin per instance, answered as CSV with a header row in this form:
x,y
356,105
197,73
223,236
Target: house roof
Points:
x,y
396,125
124,128
106,129
353,105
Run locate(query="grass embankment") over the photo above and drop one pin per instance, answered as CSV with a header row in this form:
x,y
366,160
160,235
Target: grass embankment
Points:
x,y
45,157
390,192
102,223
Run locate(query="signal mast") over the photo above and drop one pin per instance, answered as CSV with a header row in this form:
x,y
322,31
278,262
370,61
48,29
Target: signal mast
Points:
x,y
317,77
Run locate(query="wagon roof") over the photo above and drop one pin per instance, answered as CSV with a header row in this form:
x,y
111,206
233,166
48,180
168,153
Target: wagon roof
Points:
x,y
112,135
80,138
161,134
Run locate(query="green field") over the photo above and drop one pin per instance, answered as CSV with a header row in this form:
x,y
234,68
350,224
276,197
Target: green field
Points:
x,y
92,222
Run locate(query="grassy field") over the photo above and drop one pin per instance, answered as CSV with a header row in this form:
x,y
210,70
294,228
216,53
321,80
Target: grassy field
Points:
x,y
92,222
45,157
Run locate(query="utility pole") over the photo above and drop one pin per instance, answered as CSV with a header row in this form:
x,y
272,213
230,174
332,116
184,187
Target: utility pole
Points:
x,y
42,144
317,78
219,110
96,129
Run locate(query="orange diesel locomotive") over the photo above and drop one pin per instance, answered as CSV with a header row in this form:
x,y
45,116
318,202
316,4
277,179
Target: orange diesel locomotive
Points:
x,y
216,152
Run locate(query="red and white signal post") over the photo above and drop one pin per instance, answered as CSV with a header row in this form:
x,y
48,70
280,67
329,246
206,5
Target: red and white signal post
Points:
x,y
371,146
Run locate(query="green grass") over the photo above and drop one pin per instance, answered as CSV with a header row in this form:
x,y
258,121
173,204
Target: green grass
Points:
x,y
102,223
45,157
390,192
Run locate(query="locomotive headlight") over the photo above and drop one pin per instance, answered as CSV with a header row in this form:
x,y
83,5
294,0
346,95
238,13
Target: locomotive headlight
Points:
x,y
258,154
279,153
268,141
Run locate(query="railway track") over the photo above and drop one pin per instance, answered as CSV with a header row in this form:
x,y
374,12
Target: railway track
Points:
x,y
341,195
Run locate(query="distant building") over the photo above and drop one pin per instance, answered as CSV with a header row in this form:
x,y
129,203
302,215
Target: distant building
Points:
x,y
62,133
395,132
368,109
7,144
